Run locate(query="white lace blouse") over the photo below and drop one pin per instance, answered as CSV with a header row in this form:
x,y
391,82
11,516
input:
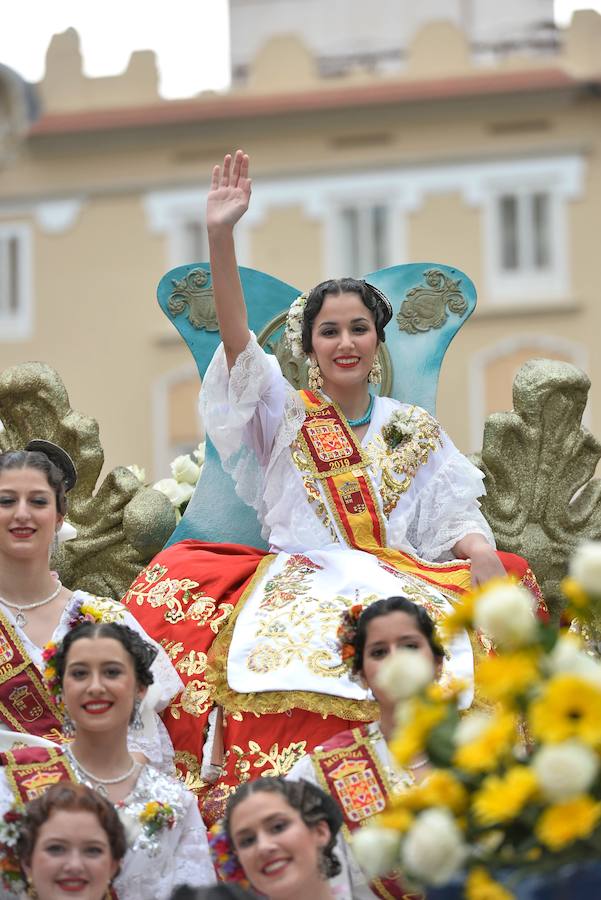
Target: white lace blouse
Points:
x,y
153,741
253,416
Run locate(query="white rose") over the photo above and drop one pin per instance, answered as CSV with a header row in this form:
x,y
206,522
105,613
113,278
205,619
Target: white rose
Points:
x,y
404,674
199,453
433,850
585,567
185,470
177,493
565,770
376,850
139,472
568,656
471,727
506,615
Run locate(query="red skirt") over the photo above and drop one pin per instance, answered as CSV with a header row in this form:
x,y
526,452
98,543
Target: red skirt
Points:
x,y
183,599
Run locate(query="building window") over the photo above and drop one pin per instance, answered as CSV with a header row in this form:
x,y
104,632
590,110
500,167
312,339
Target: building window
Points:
x,y
526,246
15,281
363,239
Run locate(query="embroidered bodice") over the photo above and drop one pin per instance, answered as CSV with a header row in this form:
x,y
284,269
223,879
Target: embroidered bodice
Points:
x,y
426,488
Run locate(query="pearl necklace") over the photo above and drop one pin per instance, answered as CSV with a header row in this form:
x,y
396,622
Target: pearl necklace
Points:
x,y
100,783
21,618
366,417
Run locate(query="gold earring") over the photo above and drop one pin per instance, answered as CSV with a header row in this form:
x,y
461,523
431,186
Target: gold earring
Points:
x,y
315,378
375,373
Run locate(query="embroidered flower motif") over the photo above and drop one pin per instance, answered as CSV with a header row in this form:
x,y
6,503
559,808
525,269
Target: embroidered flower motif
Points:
x,y
227,864
10,868
293,331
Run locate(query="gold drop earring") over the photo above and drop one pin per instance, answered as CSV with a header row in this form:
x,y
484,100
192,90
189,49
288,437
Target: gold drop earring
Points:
x,y
315,376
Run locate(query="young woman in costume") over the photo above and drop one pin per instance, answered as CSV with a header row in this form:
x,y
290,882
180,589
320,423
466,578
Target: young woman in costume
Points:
x,y
280,836
368,636
100,673
36,608
359,496
71,843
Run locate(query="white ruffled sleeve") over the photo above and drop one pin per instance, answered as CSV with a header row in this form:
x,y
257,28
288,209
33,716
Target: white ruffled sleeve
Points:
x,y
445,505
251,413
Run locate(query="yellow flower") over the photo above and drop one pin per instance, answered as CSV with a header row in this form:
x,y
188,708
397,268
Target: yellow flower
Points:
x,y
575,593
442,788
460,618
480,886
564,823
503,678
411,738
150,810
501,799
568,707
397,818
495,742
87,610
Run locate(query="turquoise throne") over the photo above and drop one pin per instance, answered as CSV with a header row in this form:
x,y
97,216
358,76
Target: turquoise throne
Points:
x,y
430,303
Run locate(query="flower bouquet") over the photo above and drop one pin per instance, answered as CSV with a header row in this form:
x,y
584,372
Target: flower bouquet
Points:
x,y
511,806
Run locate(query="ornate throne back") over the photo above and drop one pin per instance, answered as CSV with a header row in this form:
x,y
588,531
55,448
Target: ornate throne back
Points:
x,y
430,302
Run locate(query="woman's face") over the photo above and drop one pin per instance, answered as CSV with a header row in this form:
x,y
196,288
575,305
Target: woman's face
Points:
x,y
385,635
71,858
278,852
99,685
344,340
28,514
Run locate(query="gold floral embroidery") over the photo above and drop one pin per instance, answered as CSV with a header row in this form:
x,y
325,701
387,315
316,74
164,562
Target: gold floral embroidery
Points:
x,y
193,663
189,773
265,702
194,605
301,461
399,464
195,699
277,762
110,610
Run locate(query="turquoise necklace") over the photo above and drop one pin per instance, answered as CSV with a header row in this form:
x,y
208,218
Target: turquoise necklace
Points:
x,y
366,417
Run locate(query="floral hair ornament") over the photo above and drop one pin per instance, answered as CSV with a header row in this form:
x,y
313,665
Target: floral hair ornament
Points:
x,y
227,865
11,824
293,331
81,612
347,633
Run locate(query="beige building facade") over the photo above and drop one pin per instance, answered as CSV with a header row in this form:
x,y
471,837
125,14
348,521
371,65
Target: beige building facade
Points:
x,y
492,167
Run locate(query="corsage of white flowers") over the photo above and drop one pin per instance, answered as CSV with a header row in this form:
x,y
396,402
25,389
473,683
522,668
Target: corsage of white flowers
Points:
x,y
505,614
400,428
404,674
294,326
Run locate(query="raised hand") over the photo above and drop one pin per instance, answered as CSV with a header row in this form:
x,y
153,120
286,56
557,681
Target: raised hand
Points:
x,y
229,194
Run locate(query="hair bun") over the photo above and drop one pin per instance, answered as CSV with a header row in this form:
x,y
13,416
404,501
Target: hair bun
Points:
x,y
59,457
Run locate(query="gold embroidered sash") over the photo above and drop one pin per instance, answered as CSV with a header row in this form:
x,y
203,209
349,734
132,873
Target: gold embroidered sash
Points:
x,y
340,463
30,771
349,769
25,703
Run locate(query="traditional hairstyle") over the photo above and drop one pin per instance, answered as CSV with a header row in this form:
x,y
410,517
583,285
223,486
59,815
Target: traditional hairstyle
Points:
x,y
73,798
141,652
313,805
352,633
371,297
50,459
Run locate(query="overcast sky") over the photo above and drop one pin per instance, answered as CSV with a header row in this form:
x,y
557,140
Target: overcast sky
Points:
x,y
190,37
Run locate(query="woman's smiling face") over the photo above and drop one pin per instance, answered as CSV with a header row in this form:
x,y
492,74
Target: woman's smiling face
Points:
x,y
99,684
28,514
344,340
279,853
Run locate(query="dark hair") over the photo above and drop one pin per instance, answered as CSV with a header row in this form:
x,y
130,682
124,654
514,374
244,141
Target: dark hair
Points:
x,y
313,805
216,892
141,652
27,459
370,296
384,608
74,798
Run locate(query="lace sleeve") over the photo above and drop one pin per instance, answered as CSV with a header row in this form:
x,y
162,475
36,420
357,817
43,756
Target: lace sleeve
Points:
x,y
191,859
447,509
251,414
